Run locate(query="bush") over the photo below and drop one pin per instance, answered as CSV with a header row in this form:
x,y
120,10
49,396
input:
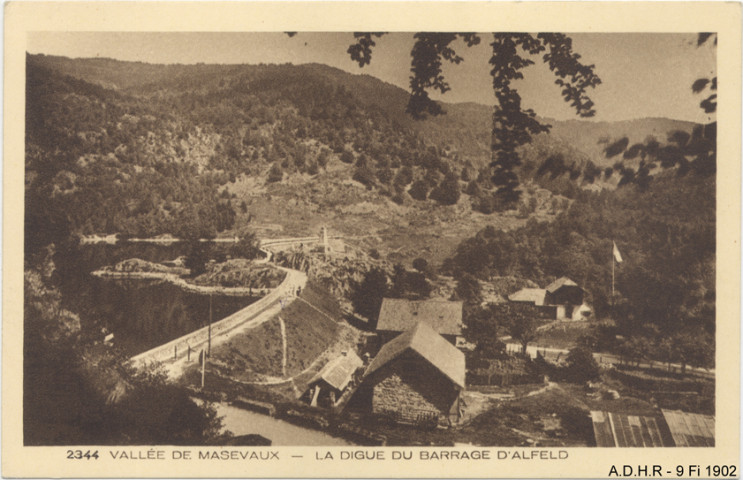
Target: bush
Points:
x,y
447,193
399,198
275,174
246,247
581,367
364,175
419,190
404,176
198,255
385,175
420,264
577,421
347,157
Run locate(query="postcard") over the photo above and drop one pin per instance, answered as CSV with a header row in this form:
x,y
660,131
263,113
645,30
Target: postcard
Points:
x,y
359,239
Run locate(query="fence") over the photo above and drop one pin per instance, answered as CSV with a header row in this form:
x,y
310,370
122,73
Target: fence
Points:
x,y
502,379
666,385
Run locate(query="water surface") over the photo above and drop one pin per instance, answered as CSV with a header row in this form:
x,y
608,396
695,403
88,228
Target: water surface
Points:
x,y
141,313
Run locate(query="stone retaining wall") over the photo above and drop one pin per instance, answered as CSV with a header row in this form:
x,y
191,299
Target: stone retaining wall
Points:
x,y
178,348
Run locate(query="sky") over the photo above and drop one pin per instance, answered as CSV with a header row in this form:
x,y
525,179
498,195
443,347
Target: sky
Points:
x,y
643,74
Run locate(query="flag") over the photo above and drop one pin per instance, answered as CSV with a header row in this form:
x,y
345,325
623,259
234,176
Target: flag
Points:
x,y
617,255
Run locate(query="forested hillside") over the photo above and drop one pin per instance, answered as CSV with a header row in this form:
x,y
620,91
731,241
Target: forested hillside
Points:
x,y
665,286
141,149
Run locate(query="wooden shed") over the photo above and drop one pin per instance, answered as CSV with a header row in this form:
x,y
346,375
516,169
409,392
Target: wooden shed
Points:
x,y
326,388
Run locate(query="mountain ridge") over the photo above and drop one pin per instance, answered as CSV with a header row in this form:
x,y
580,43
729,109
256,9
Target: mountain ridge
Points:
x,y
173,133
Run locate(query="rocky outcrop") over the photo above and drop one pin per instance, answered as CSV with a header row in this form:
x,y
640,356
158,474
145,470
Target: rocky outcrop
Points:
x,y
238,277
241,273
335,274
137,265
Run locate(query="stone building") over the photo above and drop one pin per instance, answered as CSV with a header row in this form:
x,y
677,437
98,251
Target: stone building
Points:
x,y
416,378
399,315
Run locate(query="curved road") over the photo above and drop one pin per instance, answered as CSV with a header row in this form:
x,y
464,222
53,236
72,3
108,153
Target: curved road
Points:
x,y
174,354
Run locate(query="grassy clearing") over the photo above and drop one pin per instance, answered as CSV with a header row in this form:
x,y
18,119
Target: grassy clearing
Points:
x,y
254,351
310,329
258,352
562,335
321,299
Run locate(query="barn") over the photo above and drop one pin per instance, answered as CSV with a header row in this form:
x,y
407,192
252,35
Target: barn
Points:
x,y
400,315
416,378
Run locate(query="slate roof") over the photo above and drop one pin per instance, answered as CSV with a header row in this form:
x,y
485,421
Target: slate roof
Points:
x,y
559,283
399,315
530,295
339,371
434,348
691,429
622,430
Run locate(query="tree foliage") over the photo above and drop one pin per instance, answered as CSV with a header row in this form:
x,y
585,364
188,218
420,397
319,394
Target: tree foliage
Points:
x,y
247,246
513,126
199,254
366,296
581,366
275,174
447,192
481,328
410,285
77,391
520,321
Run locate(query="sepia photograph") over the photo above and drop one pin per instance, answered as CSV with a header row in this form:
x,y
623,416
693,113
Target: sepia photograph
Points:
x,y
443,242
367,238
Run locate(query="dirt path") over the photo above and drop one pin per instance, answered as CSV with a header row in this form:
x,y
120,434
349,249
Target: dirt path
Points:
x,y
549,386
282,325
556,354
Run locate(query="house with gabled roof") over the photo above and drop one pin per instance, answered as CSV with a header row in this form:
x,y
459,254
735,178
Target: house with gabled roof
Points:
x,y
534,296
416,378
563,291
563,299
398,315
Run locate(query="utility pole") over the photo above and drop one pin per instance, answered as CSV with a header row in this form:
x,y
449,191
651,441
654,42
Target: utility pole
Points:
x,y
612,279
203,367
325,240
209,342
